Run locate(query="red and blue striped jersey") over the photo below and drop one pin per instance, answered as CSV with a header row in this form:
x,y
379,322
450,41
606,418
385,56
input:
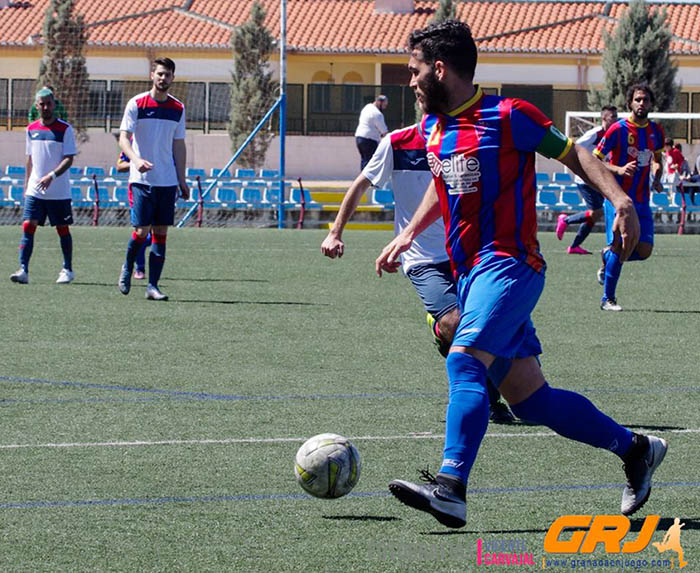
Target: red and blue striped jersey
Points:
x,y
627,141
483,163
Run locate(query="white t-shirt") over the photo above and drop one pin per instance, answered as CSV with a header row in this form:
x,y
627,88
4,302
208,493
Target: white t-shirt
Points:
x,y
371,124
401,160
48,145
154,125
589,140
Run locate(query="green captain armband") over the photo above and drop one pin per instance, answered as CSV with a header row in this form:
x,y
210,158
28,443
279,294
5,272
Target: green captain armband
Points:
x,y
554,144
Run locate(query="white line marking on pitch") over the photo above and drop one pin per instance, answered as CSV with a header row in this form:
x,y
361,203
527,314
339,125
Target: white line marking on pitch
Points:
x,y
411,436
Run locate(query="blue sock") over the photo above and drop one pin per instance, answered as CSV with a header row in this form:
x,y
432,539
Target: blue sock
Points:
x,y
156,259
140,260
577,218
575,417
613,266
66,240
26,245
132,250
467,414
583,231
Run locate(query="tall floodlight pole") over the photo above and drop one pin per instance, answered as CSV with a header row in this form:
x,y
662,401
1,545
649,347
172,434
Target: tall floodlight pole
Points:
x,y
283,106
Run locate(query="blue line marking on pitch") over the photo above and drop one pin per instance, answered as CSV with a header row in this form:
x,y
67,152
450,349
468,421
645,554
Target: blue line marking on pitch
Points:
x,y
209,396
293,496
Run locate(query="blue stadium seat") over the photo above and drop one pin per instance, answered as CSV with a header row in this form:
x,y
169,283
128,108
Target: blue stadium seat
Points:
x,y
114,174
5,200
16,194
542,179
295,197
269,173
78,197
245,173
689,206
223,173
661,202
272,191
90,171
121,195
384,197
570,199
15,171
75,172
253,195
193,172
547,199
563,179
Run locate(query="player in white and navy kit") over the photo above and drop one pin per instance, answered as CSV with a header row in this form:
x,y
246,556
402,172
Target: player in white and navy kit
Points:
x,y
50,149
152,136
400,161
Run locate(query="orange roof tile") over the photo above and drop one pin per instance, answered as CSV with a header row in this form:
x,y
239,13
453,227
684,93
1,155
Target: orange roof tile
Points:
x,y
351,26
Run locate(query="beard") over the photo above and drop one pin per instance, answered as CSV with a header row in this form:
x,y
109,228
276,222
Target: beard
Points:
x,y
434,94
641,113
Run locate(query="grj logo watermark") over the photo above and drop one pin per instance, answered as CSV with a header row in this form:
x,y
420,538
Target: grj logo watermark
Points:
x,y
587,532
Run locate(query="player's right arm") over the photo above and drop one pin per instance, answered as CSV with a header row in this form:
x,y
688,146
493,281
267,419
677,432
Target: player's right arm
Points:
x,y
333,246
142,165
427,213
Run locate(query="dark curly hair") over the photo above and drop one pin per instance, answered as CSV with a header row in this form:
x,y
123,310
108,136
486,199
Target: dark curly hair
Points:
x,y
450,41
639,86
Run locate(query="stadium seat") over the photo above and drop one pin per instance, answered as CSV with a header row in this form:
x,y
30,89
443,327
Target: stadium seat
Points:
x,y
547,199
269,173
661,202
227,196
295,197
272,192
78,197
569,199
193,172
5,200
121,194
542,179
689,206
563,179
98,171
15,171
16,194
114,174
221,173
245,173
384,197
253,195
75,172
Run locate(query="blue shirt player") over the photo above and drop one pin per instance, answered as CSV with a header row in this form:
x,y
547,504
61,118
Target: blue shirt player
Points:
x,y
481,150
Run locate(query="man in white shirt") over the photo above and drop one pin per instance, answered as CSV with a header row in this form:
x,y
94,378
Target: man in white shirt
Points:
x,y
152,136
50,150
371,128
400,161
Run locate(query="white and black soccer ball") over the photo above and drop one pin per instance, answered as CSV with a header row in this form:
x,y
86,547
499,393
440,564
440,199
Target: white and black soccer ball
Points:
x,y
327,466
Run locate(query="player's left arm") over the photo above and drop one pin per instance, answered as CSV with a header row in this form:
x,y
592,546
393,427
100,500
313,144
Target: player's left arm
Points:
x,y
180,156
657,170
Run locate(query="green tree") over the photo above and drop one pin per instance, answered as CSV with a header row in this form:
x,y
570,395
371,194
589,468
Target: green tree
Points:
x,y
446,10
638,50
253,91
63,65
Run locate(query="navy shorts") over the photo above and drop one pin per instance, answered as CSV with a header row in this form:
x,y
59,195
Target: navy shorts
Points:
x,y
152,205
58,211
646,222
435,286
593,198
496,299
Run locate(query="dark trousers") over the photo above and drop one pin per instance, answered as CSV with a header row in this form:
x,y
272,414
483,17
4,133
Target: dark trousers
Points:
x,y
366,147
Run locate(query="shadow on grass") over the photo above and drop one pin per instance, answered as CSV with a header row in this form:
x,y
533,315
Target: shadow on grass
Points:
x,y
360,518
659,428
486,532
210,280
660,311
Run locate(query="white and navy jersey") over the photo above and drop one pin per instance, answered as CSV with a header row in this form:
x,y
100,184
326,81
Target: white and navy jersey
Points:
x,y
48,145
371,124
400,160
589,140
154,125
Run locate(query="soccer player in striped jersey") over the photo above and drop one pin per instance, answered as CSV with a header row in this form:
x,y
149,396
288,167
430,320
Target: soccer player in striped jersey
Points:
x,y
635,146
400,161
152,136
481,150
594,200
50,150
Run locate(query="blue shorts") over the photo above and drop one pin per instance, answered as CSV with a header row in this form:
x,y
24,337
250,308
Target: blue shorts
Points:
x,y
435,286
646,222
151,205
58,211
496,300
593,198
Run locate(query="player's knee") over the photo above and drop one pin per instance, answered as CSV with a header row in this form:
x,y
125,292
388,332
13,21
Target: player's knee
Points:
x,y
141,233
29,227
596,215
644,250
63,230
448,324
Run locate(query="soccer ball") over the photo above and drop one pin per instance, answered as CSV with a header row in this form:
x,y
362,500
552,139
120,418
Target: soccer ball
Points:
x,y
327,466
